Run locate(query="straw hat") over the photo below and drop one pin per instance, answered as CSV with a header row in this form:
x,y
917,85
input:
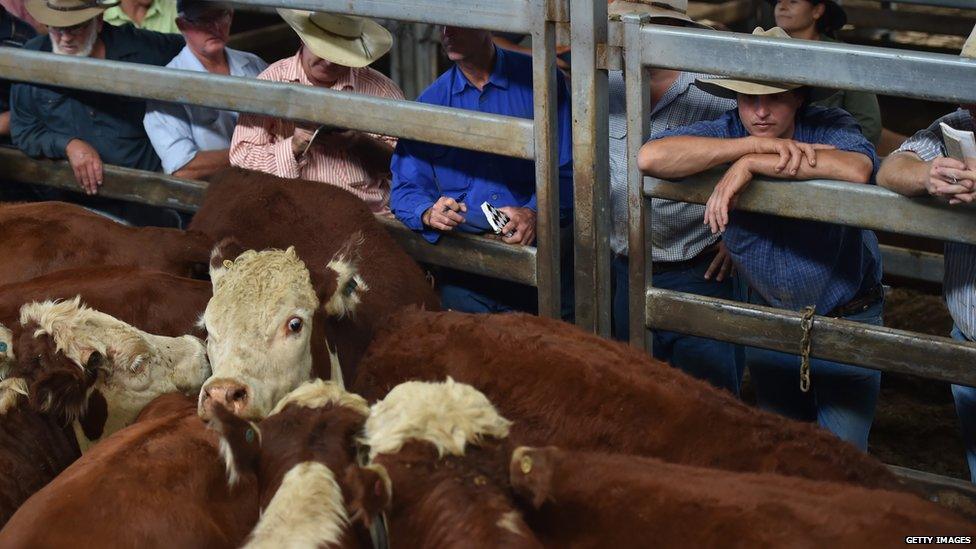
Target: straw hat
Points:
x,y
676,10
730,87
969,48
66,13
343,39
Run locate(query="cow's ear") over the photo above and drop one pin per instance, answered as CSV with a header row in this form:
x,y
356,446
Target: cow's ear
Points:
x,y
341,289
370,492
240,443
530,474
225,251
61,388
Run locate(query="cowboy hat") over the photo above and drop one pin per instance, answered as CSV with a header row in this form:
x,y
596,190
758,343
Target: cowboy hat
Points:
x,y
66,13
834,17
675,10
729,88
969,48
343,39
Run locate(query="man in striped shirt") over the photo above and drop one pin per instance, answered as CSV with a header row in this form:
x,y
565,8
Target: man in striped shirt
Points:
x,y
920,167
334,54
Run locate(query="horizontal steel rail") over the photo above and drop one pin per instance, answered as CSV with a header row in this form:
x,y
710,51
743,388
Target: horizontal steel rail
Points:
x,y
505,135
502,15
873,347
960,4
914,264
469,253
867,206
930,76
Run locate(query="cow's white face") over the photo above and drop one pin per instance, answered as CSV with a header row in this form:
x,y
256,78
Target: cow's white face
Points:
x,y
259,327
137,366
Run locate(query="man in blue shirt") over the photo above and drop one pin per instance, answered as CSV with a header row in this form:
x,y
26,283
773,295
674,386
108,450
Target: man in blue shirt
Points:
x,y
788,263
429,179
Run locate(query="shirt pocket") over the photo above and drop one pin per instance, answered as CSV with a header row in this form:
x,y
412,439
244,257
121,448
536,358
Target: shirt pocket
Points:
x,y
55,110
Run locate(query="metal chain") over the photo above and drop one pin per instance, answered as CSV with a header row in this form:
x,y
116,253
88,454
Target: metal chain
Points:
x,y
806,324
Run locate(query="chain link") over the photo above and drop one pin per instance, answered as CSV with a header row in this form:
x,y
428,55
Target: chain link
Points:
x,y
806,324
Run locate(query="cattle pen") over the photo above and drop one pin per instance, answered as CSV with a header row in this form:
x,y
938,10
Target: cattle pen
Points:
x,y
598,45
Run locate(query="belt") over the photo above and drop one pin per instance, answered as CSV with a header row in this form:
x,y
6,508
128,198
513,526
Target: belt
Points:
x,y
668,266
859,303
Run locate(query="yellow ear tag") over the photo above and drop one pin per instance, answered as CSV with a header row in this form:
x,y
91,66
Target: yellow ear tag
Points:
x,y
525,464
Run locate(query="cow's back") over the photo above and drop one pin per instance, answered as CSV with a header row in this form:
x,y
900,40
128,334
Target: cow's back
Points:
x,y
157,483
263,211
42,237
153,301
563,386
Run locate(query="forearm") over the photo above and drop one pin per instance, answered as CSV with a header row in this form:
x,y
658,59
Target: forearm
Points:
x,y
204,163
681,156
904,173
831,164
5,123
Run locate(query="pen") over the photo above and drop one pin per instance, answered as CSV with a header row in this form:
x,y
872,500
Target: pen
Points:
x,y
458,200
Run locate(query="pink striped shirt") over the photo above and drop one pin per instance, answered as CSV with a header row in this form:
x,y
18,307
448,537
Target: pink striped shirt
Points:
x,y
263,143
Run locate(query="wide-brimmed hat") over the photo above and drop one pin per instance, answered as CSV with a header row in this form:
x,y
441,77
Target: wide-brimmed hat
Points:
x,y
66,13
344,39
834,17
675,10
969,48
729,88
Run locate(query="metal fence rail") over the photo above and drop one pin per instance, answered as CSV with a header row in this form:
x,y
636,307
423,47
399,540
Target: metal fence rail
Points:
x,y
475,254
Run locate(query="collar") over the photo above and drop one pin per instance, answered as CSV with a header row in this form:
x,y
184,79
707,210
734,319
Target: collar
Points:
x,y
677,88
118,14
498,77
236,61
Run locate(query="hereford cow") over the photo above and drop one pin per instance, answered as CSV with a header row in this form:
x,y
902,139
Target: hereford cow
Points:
x,y
312,491
79,375
569,388
595,500
38,238
157,483
153,301
263,211
444,447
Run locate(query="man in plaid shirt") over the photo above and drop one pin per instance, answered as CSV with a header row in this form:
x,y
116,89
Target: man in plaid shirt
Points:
x,y
920,167
788,263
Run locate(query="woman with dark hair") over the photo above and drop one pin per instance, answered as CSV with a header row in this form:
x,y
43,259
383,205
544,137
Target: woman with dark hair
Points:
x,y
820,20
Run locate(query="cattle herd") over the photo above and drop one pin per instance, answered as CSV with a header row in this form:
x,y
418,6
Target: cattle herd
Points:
x,y
311,393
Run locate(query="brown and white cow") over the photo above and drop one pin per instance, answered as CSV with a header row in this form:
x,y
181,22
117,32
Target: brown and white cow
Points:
x,y
42,237
322,223
563,386
313,492
157,483
445,448
587,499
78,375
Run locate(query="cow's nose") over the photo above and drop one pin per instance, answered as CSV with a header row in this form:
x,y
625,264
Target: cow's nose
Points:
x,y
229,394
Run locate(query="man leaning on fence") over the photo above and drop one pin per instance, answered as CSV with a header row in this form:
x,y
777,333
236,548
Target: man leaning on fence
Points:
x,y
789,263
335,53
687,256
87,128
437,188
192,141
920,167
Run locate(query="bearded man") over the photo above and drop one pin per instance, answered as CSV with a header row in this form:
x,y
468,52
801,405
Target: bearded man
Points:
x,y
87,128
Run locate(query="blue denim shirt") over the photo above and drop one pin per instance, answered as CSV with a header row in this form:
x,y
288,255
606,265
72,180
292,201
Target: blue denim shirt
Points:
x,y
44,119
423,172
793,263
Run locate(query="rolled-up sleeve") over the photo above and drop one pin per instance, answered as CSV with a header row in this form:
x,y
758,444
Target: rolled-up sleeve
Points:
x,y
27,129
169,130
413,189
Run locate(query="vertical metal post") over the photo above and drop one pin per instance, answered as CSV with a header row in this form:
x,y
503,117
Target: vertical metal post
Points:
x,y
638,126
591,189
546,157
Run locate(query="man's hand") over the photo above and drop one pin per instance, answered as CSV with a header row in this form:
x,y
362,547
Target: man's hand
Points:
x,y
445,214
86,164
791,153
735,179
300,140
949,178
721,265
521,225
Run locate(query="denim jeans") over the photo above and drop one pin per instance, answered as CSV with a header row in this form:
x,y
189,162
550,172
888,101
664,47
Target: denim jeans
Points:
x,y
965,398
842,397
708,359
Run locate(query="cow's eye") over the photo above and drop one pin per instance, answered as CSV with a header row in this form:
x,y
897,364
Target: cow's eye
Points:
x,y
295,325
